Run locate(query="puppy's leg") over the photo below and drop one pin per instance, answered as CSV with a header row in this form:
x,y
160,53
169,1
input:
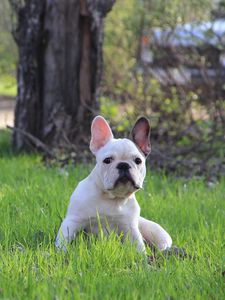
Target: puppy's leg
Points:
x,y
136,238
67,232
154,234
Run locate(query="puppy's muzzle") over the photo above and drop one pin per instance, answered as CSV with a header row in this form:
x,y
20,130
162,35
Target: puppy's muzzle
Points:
x,y
124,175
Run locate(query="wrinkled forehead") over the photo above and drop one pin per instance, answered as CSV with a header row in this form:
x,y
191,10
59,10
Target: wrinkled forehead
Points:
x,y
119,148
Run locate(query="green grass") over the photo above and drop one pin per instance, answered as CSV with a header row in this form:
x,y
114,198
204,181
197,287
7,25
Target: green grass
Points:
x,y
34,198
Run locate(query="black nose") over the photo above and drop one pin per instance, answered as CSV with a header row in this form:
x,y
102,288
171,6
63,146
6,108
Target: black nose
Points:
x,y
123,166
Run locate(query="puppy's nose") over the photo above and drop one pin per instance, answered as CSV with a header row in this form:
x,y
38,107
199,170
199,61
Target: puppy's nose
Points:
x,y
123,166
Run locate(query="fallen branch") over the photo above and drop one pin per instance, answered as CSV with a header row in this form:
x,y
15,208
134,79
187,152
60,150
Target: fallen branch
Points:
x,y
38,143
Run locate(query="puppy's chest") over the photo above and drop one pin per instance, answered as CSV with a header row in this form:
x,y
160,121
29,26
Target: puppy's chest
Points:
x,y
106,224
108,218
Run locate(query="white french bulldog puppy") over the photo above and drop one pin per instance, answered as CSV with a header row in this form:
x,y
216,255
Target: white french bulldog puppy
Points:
x,y
107,195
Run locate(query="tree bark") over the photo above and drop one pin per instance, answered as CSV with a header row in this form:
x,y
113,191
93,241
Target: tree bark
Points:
x,y
60,65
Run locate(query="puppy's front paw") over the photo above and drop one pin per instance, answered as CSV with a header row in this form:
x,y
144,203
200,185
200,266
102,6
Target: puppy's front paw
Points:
x,y
61,245
165,242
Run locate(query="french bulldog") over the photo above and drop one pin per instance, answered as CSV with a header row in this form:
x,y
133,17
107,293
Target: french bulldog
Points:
x,y
107,195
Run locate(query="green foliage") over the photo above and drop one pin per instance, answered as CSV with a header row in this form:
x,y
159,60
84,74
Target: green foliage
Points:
x,y
164,14
124,80
120,44
187,120
34,198
109,107
8,49
8,52
8,86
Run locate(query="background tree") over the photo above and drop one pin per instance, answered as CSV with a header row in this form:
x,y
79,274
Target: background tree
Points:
x,y
187,121
60,63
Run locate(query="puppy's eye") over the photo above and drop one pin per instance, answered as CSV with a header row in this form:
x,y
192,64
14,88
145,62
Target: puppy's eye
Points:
x,y
137,161
108,160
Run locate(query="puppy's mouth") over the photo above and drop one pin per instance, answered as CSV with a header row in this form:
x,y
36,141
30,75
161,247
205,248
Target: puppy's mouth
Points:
x,y
125,178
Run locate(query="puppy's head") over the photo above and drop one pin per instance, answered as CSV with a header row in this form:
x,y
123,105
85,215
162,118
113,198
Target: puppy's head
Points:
x,y
120,162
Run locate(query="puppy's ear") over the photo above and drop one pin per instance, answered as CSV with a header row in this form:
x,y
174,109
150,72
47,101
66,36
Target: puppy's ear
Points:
x,y
100,134
140,135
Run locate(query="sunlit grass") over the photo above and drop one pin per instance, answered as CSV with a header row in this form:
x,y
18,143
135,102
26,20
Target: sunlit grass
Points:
x,y
34,198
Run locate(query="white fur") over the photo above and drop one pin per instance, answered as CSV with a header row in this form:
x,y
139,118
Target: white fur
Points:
x,y
98,200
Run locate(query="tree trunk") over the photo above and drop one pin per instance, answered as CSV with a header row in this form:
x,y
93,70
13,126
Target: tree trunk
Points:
x,y
60,64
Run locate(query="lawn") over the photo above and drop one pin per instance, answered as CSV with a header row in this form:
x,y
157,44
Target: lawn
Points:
x,y
34,198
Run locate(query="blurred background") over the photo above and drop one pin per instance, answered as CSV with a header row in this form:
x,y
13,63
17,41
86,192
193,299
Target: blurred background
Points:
x,y
162,59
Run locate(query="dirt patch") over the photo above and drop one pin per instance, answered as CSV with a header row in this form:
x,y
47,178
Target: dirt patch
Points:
x,y
7,106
